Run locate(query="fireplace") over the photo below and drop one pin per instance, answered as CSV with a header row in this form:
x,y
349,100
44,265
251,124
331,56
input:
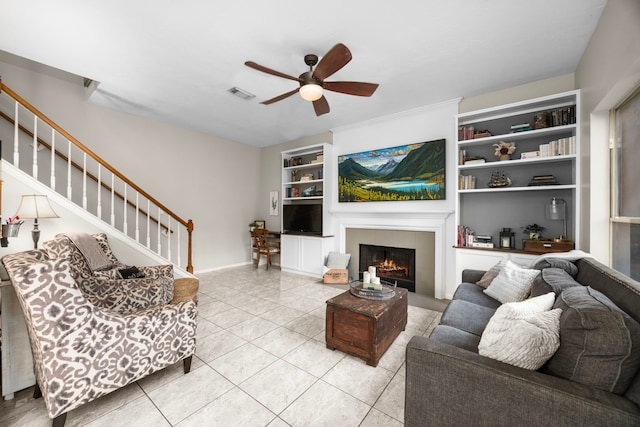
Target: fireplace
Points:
x,y
394,265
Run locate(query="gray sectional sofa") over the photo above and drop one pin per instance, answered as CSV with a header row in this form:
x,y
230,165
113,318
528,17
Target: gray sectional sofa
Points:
x,y
449,383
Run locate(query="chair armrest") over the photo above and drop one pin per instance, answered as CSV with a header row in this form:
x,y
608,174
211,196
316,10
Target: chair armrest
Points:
x,y
449,386
472,276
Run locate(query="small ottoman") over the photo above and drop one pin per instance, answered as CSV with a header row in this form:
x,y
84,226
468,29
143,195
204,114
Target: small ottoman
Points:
x,y
185,289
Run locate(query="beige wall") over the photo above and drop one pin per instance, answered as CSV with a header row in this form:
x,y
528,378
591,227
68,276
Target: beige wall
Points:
x,y
207,179
607,73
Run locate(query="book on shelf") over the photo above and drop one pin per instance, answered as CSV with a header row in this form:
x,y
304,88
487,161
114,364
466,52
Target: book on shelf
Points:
x,y
543,180
559,147
482,245
530,154
474,161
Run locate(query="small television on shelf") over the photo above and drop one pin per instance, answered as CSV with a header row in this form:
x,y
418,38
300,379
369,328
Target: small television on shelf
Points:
x,y
302,219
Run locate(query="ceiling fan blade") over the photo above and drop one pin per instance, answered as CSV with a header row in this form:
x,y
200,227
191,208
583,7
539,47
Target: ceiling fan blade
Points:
x,y
321,106
351,88
280,97
337,57
264,69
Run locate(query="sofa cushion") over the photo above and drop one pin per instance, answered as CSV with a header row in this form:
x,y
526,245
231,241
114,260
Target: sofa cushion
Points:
x,y
564,264
467,316
599,343
523,334
456,337
473,293
512,284
552,280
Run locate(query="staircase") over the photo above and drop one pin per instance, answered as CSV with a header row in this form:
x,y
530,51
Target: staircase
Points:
x,y
59,165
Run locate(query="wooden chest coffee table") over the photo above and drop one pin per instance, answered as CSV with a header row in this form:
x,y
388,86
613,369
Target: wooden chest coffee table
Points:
x,y
365,328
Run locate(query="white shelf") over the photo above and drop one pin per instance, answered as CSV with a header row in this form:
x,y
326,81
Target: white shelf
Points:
x,y
305,166
303,198
512,189
517,162
518,136
311,181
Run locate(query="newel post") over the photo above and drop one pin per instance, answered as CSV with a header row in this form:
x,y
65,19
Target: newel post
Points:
x,y
190,248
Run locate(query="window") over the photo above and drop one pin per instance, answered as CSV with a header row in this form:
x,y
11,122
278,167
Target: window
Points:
x,y
625,203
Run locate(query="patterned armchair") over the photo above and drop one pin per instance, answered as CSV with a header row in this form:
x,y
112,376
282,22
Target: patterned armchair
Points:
x,y
83,349
106,288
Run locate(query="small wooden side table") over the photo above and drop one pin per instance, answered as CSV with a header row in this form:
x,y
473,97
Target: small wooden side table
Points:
x,y
365,328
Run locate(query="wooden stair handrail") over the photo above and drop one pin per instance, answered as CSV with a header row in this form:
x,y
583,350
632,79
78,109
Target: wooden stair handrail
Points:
x,y
79,168
188,224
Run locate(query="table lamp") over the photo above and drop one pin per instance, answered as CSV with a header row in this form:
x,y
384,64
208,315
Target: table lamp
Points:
x,y
34,206
557,210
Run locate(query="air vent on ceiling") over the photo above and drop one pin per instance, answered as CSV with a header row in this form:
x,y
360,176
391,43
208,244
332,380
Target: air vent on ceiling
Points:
x,y
241,93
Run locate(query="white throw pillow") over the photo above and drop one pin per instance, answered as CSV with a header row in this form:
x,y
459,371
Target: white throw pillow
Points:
x,y
524,334
337,261
512,284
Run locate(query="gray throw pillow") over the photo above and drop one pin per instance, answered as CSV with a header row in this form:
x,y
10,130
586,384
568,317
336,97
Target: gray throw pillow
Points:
x,y
552,280
564,264
598,342
491,274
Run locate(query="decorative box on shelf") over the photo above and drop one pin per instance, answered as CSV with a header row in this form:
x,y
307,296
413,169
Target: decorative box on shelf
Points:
x,y
546,246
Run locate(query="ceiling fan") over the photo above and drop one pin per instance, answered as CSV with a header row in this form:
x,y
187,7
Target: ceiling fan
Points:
x,y
312,82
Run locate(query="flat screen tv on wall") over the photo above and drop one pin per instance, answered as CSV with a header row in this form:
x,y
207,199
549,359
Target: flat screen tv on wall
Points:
x,y
302,219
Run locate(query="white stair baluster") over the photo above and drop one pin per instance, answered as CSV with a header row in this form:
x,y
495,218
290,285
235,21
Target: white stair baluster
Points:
x,y
16,140
148,224
35,147
137,217
53,160
159,231
69,189
179,253
84,181
99,205
125,225
113,211
169,238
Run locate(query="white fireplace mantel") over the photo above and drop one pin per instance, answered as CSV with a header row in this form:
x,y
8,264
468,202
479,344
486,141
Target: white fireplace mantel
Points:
x,y
432,221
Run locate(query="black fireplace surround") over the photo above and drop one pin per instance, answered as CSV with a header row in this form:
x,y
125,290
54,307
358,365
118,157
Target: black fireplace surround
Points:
x,y
393,265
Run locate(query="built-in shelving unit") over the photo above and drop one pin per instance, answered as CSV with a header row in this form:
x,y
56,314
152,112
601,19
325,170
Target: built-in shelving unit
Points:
x,y
487,209
304,173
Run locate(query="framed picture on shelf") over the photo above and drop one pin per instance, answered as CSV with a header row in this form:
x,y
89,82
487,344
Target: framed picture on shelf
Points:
x,y
405,172
259,223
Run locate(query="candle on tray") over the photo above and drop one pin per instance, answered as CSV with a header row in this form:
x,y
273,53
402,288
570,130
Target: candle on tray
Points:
x,y
366,277
375,280
372,271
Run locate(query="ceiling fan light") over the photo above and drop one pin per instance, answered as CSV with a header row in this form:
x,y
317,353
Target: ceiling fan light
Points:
x,y
311,92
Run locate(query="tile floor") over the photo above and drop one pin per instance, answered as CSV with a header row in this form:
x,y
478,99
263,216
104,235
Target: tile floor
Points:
x,y
261,360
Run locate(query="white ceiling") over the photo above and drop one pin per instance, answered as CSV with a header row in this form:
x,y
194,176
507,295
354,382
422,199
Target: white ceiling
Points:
x,y
174,61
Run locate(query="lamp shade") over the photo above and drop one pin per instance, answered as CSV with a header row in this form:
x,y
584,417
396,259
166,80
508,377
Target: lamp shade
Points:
x,y
311,92
556,210
35,206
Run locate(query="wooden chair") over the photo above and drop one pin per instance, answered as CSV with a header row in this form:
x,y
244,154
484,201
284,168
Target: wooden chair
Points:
x,y
262,245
